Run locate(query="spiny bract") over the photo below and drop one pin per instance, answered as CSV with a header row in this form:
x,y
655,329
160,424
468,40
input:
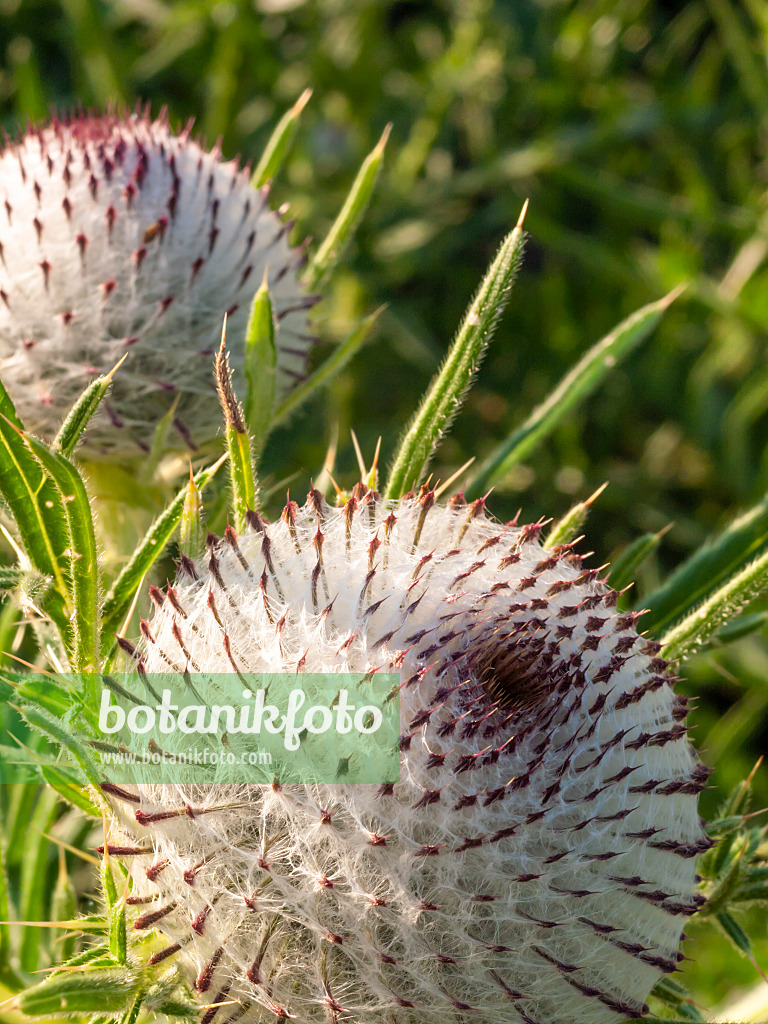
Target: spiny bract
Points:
x,y
536,862
118,236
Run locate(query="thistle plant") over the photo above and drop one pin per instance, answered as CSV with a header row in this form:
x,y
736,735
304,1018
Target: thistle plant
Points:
x,y
538,858
124,240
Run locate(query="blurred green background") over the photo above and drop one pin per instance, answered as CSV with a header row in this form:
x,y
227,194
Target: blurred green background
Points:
x,y
638,130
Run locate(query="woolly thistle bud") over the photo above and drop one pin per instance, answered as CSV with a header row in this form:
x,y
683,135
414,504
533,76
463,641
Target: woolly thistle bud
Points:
x,y
536,862
117,236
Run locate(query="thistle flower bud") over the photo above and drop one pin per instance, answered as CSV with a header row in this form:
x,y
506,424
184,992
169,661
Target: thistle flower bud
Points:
x,y
536,862
118,235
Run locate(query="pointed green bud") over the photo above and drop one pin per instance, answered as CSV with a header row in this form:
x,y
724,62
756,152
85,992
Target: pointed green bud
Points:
x,y
280,142
350,215
565,529
260,363
191,538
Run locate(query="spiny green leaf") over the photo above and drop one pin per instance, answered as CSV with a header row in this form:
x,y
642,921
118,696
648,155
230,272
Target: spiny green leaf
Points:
x,y
82,411
68,790
65,739
447,390
580,382
327,371
735,933
724,604
121,594
83,556
349,216
280,142
10,577
37,506
80,992
744,538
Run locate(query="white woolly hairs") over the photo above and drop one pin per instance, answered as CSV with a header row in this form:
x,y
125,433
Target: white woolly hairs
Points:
x,y
118,236
535,864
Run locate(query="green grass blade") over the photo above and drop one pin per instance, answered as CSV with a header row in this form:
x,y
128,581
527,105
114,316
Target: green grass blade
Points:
x,y
37,507
64,906
744,538
121,593
567,528
83,554
448,387
325,373
82,411
580,382
260,365
280,142
750,70
327,256
724,604
32,902
5,915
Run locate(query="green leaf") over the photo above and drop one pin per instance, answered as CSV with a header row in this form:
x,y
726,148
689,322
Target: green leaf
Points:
x,y
327,370
83,555
280,142
260,364
447,390
82,411
69,791
121,594
64,905
744,538
349,216
65,739
10,577
78,992
625,567
577,385
37,507
157,448
735,933
725,603
567,528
